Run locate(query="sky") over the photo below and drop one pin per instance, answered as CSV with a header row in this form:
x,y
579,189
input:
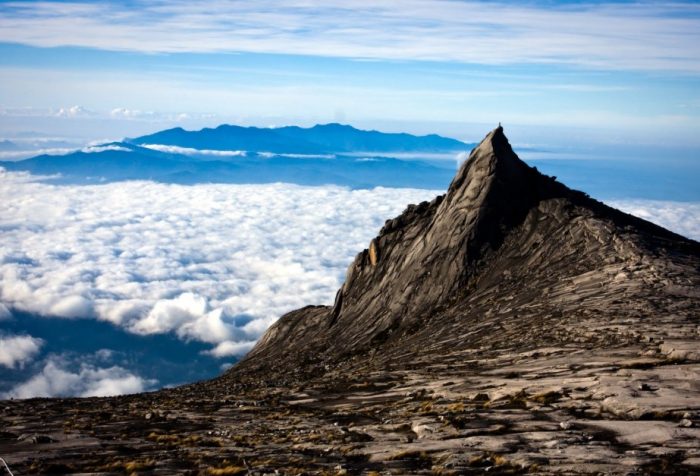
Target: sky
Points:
x,y
551,71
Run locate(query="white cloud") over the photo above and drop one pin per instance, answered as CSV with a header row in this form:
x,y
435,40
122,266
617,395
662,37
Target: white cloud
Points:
x,y
681,217
124,113
15,351
173,149
102,148
25,154
648,35
228,348
4,312
72,306
212,263
74,111
461,157
56,380
188,315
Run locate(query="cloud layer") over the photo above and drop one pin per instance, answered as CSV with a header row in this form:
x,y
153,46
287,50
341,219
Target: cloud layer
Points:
x,y
55,380
647,36
210,263
681,217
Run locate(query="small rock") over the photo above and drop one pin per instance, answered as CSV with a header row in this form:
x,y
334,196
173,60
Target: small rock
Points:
x,y
566,425
645,387
423,430
685,423
35,438
340,470
148,416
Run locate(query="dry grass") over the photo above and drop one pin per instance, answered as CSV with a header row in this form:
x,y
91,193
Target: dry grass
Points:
x,y
135,466
227,470
163,438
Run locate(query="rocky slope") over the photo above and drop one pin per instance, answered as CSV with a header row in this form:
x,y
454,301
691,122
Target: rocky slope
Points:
x,y
512,325
504,241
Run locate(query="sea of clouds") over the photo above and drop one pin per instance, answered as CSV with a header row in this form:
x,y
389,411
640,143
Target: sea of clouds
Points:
x,y
211,263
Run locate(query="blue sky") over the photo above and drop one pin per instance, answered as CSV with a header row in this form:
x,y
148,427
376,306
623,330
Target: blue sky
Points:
x,y
603,72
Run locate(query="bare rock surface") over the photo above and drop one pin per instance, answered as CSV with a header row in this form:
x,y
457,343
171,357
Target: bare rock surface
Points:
x,y
510,326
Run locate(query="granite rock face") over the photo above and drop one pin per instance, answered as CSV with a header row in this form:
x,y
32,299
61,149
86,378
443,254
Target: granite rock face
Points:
x,y
511,325
504,239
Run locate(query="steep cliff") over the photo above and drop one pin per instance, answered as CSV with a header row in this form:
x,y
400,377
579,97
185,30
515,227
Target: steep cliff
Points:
x,y
504,239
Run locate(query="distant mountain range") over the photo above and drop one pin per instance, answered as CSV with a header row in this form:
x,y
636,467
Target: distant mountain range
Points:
x,y
8,145
319,139
323,154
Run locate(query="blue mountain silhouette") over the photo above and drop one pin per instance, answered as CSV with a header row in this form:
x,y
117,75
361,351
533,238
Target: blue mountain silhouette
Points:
x,y
320,139
331,155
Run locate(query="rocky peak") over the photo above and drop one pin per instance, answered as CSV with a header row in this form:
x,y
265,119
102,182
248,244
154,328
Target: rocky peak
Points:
x,y
501,221
430,252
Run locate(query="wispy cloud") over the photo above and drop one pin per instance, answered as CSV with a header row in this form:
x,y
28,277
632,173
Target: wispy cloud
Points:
x,y
641,36
75,111
80,112
188,151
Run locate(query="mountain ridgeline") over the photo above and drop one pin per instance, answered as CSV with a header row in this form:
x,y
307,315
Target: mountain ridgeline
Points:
x,y
319,139
321,155
505,240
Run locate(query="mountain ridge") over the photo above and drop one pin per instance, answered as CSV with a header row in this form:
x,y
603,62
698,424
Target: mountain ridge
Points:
x,y
435,250
234,154
319,139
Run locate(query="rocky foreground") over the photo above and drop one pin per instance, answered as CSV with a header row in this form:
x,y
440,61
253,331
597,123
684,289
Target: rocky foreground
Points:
x,y
510,326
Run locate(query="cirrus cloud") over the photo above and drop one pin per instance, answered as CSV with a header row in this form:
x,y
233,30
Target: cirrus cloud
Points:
x,y
654,36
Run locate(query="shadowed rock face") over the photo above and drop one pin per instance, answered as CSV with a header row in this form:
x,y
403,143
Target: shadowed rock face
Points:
x,y
510,325
500,222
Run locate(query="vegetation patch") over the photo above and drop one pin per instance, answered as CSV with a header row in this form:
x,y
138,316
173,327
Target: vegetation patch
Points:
x,y
227,471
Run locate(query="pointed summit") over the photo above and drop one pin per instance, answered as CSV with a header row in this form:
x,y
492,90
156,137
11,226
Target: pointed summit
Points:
x,y
500,220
